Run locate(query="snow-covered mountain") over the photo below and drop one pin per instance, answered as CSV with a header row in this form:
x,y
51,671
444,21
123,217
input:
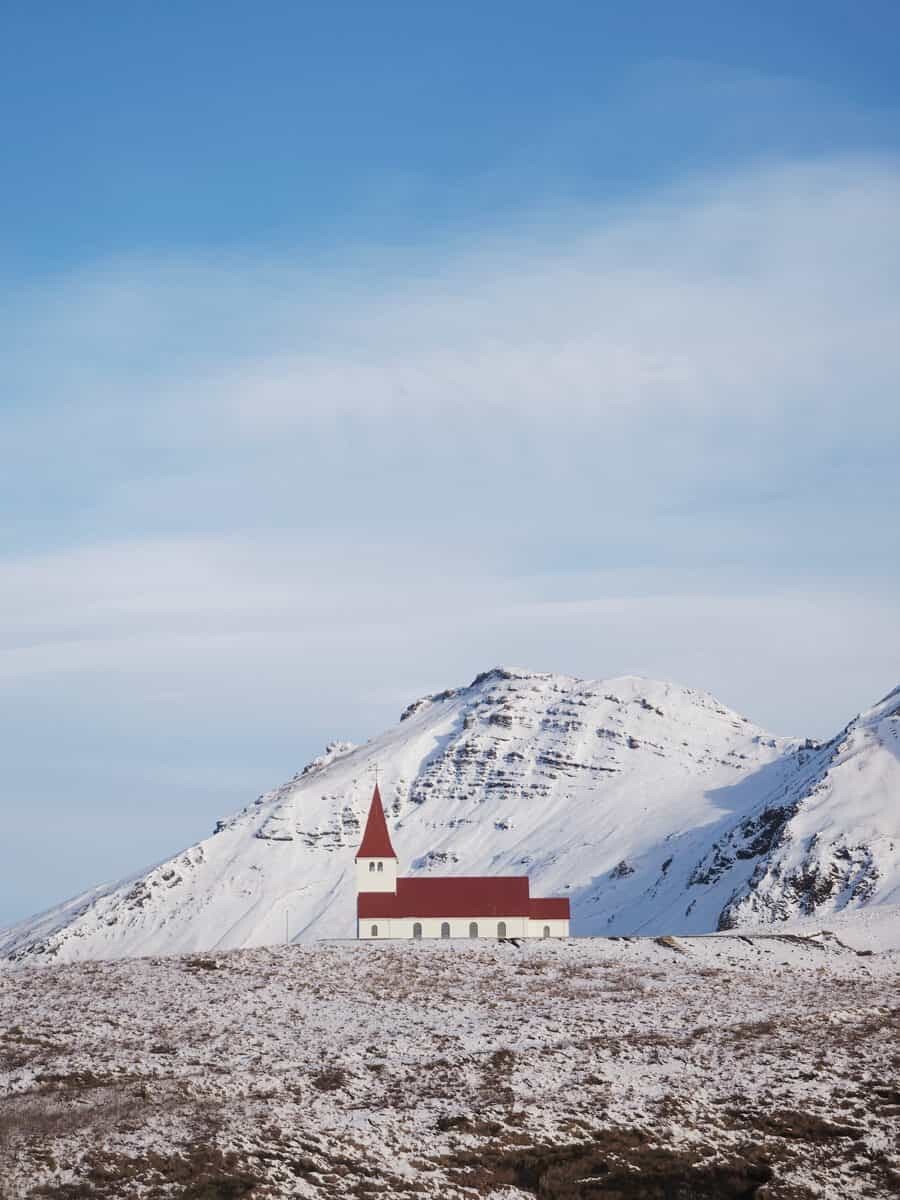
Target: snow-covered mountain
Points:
x,y
654,807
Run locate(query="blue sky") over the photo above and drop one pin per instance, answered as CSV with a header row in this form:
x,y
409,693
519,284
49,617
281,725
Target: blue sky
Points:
x,y
236,125
350,349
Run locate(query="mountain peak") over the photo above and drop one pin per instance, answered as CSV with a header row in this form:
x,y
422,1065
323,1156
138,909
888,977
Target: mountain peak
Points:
x,y
654,807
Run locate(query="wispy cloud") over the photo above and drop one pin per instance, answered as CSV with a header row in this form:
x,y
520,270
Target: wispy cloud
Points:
x,y
707,376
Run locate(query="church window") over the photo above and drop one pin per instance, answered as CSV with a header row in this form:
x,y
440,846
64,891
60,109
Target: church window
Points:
x,y
417,929
381,866
371,866
501,929
445,929
546,931
374,931
473,929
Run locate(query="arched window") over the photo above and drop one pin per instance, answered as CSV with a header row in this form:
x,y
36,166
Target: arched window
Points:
x,y
445,929
371,866
381,866
417,929
501,929
473,929
546,931
374,931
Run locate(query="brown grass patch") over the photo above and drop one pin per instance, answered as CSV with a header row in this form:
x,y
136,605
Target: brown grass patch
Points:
x,y
617,1164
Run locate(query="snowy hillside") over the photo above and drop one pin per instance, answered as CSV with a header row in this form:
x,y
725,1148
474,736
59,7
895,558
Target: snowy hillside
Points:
x,y
652,806
839,846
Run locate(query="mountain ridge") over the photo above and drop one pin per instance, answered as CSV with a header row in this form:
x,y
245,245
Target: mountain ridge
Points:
x,y
653,806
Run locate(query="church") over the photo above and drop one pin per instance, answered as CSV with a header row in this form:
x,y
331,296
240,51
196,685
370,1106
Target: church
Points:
x,y
455,906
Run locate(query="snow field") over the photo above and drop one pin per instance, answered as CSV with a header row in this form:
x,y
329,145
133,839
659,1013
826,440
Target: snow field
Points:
x,y
341,1069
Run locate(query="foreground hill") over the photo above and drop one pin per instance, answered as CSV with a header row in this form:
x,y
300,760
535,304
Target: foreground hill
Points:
x,y
654,807
713,1067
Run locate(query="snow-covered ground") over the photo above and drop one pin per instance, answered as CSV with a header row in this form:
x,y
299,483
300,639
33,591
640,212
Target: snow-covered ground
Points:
x,y
875,927
706,1067
654,807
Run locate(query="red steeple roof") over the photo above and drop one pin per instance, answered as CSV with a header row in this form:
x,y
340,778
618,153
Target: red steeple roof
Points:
x,y
376,841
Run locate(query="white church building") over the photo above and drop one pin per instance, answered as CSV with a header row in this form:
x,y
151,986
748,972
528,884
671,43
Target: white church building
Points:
x,y
453,906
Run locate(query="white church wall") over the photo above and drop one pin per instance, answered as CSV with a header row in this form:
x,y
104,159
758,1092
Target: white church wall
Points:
x,y
488,927
376,875
554,928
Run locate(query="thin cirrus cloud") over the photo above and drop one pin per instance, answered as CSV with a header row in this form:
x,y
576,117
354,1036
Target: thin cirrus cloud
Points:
x,y
253,502
644,385
706,341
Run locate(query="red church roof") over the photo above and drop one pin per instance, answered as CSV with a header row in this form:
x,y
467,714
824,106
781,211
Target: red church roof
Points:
x,y
376,841
553,908
460,896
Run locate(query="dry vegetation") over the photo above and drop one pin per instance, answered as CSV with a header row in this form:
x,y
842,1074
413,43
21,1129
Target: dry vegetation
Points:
x,y
699,1068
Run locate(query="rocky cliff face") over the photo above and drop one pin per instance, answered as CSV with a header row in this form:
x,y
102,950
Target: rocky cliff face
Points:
x,y
652,806
833,840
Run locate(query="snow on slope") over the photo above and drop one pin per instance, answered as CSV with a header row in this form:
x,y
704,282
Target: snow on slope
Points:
x,y
872,928
840,842
654,807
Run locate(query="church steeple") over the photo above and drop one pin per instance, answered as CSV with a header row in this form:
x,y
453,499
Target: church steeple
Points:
x,y
376,862
376,841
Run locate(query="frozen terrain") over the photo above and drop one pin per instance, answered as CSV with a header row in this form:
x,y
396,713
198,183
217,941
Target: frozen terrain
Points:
x,y
709,1067
654,807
